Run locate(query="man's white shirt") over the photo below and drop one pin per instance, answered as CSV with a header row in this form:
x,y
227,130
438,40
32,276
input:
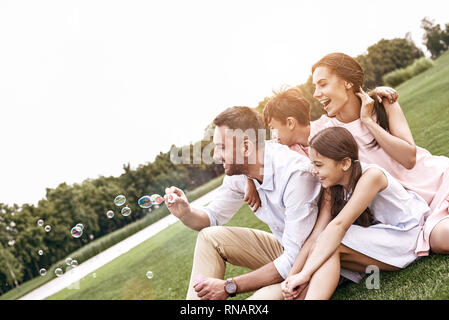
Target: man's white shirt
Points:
x,y
289,195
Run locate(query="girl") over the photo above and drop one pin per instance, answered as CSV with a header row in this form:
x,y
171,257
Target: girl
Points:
x,y
384,138
374,220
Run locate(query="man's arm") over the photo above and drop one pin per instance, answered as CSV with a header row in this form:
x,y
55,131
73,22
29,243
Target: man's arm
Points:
x,y
324,217
301,201
227,201
213,289
262,277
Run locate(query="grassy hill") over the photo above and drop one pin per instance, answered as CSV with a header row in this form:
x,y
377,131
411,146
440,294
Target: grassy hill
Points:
x,y
425,100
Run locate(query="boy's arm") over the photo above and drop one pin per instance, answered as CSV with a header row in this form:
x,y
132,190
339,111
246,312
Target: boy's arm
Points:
x,y
252,196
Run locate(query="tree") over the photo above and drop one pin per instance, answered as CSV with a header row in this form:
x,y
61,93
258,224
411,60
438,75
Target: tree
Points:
x,y
10,266
385,56
435,39
307,89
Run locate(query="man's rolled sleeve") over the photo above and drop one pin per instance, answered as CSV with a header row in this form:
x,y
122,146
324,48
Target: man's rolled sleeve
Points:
x,y
300,199
227,201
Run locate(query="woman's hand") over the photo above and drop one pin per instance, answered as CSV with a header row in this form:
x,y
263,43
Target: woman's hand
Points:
x,y
388,93
366,112
252,196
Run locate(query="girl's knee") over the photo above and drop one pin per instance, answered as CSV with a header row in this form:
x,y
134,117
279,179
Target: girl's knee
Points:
x,y
439,238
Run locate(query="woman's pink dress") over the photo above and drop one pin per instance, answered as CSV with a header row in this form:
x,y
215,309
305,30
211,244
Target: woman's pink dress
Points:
x,y
429,177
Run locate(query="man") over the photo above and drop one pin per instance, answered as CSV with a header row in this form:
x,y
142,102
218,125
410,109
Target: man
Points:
x,y
289,194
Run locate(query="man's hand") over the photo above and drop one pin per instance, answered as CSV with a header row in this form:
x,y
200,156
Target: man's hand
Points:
x,y
180,206
211,289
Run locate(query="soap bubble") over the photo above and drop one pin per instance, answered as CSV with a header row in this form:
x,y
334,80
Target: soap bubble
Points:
x,y
110,214
74,263
80,225
40,252
76,231
58,272
150,274
40,222
126,211
120,200
47,228
145,202
157,199
42,272
68,261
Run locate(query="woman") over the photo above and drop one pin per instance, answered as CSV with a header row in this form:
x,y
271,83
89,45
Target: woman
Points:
x,y
374,220
384,138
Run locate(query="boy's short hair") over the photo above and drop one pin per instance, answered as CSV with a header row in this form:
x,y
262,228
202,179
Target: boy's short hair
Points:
x,y
287,103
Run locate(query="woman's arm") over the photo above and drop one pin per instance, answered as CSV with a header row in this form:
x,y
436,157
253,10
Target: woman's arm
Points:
x,y
399,143
370,183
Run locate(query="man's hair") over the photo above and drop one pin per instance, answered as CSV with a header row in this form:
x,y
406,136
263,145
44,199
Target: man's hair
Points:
x,y
243,118
287,103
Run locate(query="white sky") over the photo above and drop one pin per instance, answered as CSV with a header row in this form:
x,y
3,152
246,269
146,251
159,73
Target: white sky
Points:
x,y
87,86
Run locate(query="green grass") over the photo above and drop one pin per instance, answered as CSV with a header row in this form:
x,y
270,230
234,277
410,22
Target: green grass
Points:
x,y
425,101
168,255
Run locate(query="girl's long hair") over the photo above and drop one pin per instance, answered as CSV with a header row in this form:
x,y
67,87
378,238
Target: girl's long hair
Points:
x,y
337,143
351,71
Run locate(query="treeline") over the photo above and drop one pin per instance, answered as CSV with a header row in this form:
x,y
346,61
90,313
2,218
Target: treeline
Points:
x,y
63,207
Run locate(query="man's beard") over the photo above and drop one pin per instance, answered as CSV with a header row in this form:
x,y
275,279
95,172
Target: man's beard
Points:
x,y
237,169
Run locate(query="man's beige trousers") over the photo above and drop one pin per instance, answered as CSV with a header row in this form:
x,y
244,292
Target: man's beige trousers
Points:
x,y
244,247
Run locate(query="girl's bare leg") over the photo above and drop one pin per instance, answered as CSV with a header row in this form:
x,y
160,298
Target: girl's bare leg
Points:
x,y
325,280
439,237
353,260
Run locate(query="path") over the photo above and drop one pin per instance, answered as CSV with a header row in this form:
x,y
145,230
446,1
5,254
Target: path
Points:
x,y
69,278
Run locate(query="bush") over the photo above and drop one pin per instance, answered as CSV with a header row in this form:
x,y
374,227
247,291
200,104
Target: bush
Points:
x,y
399,76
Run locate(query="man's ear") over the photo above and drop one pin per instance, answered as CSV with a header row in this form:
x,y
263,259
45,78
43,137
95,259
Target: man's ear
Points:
x,y
248,148
291,123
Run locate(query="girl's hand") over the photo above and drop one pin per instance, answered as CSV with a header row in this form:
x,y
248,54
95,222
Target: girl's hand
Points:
x,y
252,196
388,93
366,112
285,292
296,283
